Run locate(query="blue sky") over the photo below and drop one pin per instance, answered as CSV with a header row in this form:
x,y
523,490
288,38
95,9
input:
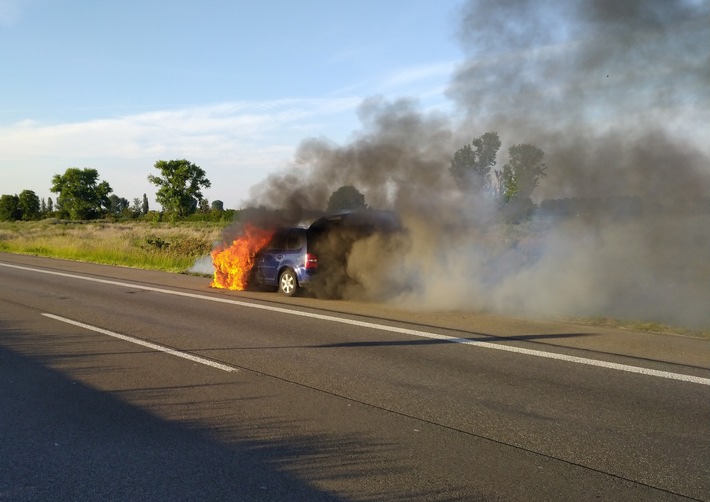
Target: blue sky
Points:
x,y
232,86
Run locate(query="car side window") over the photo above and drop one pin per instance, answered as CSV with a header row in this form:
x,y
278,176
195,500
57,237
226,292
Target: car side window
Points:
x,y
295,240
279,240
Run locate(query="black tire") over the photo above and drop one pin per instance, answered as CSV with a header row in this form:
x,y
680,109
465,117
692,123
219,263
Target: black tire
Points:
x,y
288,282
254,282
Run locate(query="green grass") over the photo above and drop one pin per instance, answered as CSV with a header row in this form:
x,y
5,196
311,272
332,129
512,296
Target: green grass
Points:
x,y
171,247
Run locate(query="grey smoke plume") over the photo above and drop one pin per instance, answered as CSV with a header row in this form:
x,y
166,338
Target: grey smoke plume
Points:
x,y
617,94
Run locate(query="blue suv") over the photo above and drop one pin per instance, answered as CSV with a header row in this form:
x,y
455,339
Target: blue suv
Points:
x,y
290,260
286,261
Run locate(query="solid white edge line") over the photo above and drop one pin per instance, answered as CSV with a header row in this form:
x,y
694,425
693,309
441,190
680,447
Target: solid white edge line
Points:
x,y
393,329
149,345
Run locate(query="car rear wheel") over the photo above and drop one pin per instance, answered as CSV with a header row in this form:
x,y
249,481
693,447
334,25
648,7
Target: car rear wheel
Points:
x,y
288,283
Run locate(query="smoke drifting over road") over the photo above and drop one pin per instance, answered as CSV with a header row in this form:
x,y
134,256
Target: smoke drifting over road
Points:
x,y
617,96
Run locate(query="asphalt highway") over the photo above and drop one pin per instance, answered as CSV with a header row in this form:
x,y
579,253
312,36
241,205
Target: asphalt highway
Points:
x,y
122,384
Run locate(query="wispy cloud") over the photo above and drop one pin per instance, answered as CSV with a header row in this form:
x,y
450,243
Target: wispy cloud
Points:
x,y
426,83
198,128
416,75
237,142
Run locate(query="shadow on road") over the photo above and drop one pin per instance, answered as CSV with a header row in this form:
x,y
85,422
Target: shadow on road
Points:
x,y
486,338
64,440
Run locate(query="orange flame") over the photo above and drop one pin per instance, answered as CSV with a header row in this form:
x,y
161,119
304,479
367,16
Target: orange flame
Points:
x,y
232,264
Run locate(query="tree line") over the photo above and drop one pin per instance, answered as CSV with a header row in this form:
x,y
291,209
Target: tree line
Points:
x,y
511,187
81,195
473,168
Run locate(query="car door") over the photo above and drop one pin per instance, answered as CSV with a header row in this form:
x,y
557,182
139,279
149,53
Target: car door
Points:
x,y
271,256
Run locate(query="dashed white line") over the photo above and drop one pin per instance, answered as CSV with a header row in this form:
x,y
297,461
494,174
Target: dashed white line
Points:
x,y
138,341
393,329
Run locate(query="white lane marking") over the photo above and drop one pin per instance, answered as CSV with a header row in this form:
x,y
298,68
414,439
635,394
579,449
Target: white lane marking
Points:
x,y
393,329
150,345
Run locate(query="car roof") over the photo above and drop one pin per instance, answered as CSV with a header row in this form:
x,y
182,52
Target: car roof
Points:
x,y
381,220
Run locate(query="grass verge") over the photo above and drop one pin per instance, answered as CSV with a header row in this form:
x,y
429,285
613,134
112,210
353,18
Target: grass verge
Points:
x,y
645,326
170,247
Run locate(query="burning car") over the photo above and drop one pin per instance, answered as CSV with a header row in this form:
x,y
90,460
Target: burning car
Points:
x,y
293,257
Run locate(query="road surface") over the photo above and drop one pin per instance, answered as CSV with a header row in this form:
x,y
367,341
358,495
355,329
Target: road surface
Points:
x,y
121,384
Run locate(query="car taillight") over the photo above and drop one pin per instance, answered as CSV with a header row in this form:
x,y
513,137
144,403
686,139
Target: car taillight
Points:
x,y
311,261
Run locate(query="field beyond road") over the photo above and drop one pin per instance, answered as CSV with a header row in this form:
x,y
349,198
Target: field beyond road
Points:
x,y
170,247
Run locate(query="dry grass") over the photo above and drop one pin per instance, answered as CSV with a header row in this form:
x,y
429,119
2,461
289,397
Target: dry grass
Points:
x,y
171,247
645,326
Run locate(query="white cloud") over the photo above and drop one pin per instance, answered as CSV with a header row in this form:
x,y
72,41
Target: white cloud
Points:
x,y
426,83
228,127
417,74
237,144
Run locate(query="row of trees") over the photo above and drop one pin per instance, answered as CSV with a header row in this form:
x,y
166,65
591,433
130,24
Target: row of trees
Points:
x,y
28,206
473,169
25,206
81,195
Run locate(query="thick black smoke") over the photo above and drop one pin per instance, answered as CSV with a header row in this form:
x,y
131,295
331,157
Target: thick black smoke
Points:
x,y
616,93
617,96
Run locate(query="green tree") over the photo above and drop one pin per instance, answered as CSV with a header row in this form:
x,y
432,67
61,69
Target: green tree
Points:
x,y
10,208
29,205
117,205
518,179
179,186
217,205
81,195
136,207
144,207
471,164
346,198
50,205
